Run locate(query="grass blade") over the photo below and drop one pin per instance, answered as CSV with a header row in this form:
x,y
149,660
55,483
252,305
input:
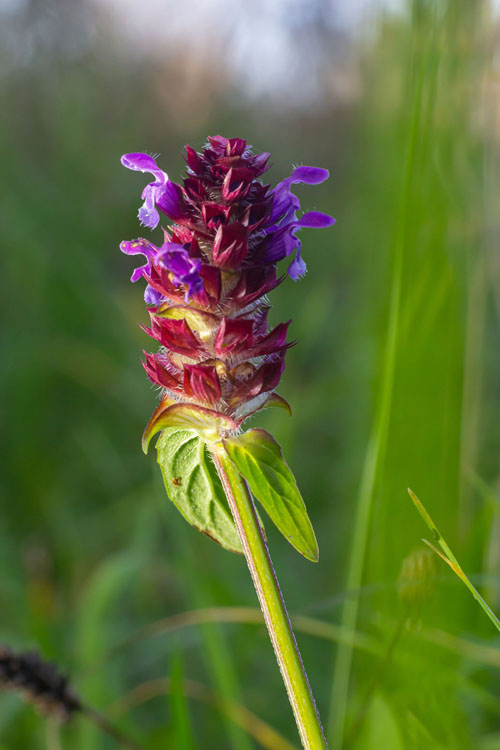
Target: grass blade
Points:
x,y
447,555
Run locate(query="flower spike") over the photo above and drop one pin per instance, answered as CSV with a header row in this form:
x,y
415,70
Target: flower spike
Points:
x,y
217,262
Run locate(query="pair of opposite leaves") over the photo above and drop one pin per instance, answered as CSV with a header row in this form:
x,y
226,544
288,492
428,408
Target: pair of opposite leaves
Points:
x,y
194,487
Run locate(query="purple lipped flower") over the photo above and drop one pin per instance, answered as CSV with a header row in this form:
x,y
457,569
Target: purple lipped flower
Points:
x,y
313,220
185,270
150,251
284,201
148,214
140,247
283,240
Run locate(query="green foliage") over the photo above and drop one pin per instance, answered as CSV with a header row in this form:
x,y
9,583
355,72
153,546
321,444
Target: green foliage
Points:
x,y
260,460
193,486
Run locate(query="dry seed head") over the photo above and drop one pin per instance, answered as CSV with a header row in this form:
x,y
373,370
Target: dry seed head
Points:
x,y
40,682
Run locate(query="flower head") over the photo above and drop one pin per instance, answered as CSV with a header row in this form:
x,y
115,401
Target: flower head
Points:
x,y
206,284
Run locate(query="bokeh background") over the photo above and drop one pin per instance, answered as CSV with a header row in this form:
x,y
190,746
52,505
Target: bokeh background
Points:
x,y
394,383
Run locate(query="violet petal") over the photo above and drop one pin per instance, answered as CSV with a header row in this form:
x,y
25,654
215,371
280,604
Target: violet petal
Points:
x,y
169,200
139,247
148,215
315,219
151,296
176,259
309,175
297,267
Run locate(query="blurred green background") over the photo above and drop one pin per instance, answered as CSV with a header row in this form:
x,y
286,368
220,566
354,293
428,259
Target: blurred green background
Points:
x,y
394,383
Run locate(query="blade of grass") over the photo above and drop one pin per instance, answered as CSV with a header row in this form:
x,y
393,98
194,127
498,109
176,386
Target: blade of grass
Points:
x,y
378,440
180,713
472,386
242,615
485,491
447,555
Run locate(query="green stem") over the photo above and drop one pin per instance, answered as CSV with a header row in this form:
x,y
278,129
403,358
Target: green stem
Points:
x,y
271,602
108,728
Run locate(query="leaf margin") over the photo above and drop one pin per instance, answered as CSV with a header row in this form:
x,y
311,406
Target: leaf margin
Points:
x,y
263,491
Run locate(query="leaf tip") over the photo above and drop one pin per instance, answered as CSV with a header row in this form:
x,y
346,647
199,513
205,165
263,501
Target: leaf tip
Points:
x,y
416,501
145,442
279,401
150,428
310,551
311,555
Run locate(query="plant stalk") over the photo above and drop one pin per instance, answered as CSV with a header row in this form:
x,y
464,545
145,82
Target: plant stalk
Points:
x,y
108,728
271,602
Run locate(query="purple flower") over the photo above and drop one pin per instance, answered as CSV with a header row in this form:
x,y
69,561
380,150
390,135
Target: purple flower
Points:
x,y
152,297
146,248
185,270
284,201
170,256
148,214
140,247
283,241
170,201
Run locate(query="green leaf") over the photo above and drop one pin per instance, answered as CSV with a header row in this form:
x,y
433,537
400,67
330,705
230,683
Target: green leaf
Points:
x,y
258,457
194,487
